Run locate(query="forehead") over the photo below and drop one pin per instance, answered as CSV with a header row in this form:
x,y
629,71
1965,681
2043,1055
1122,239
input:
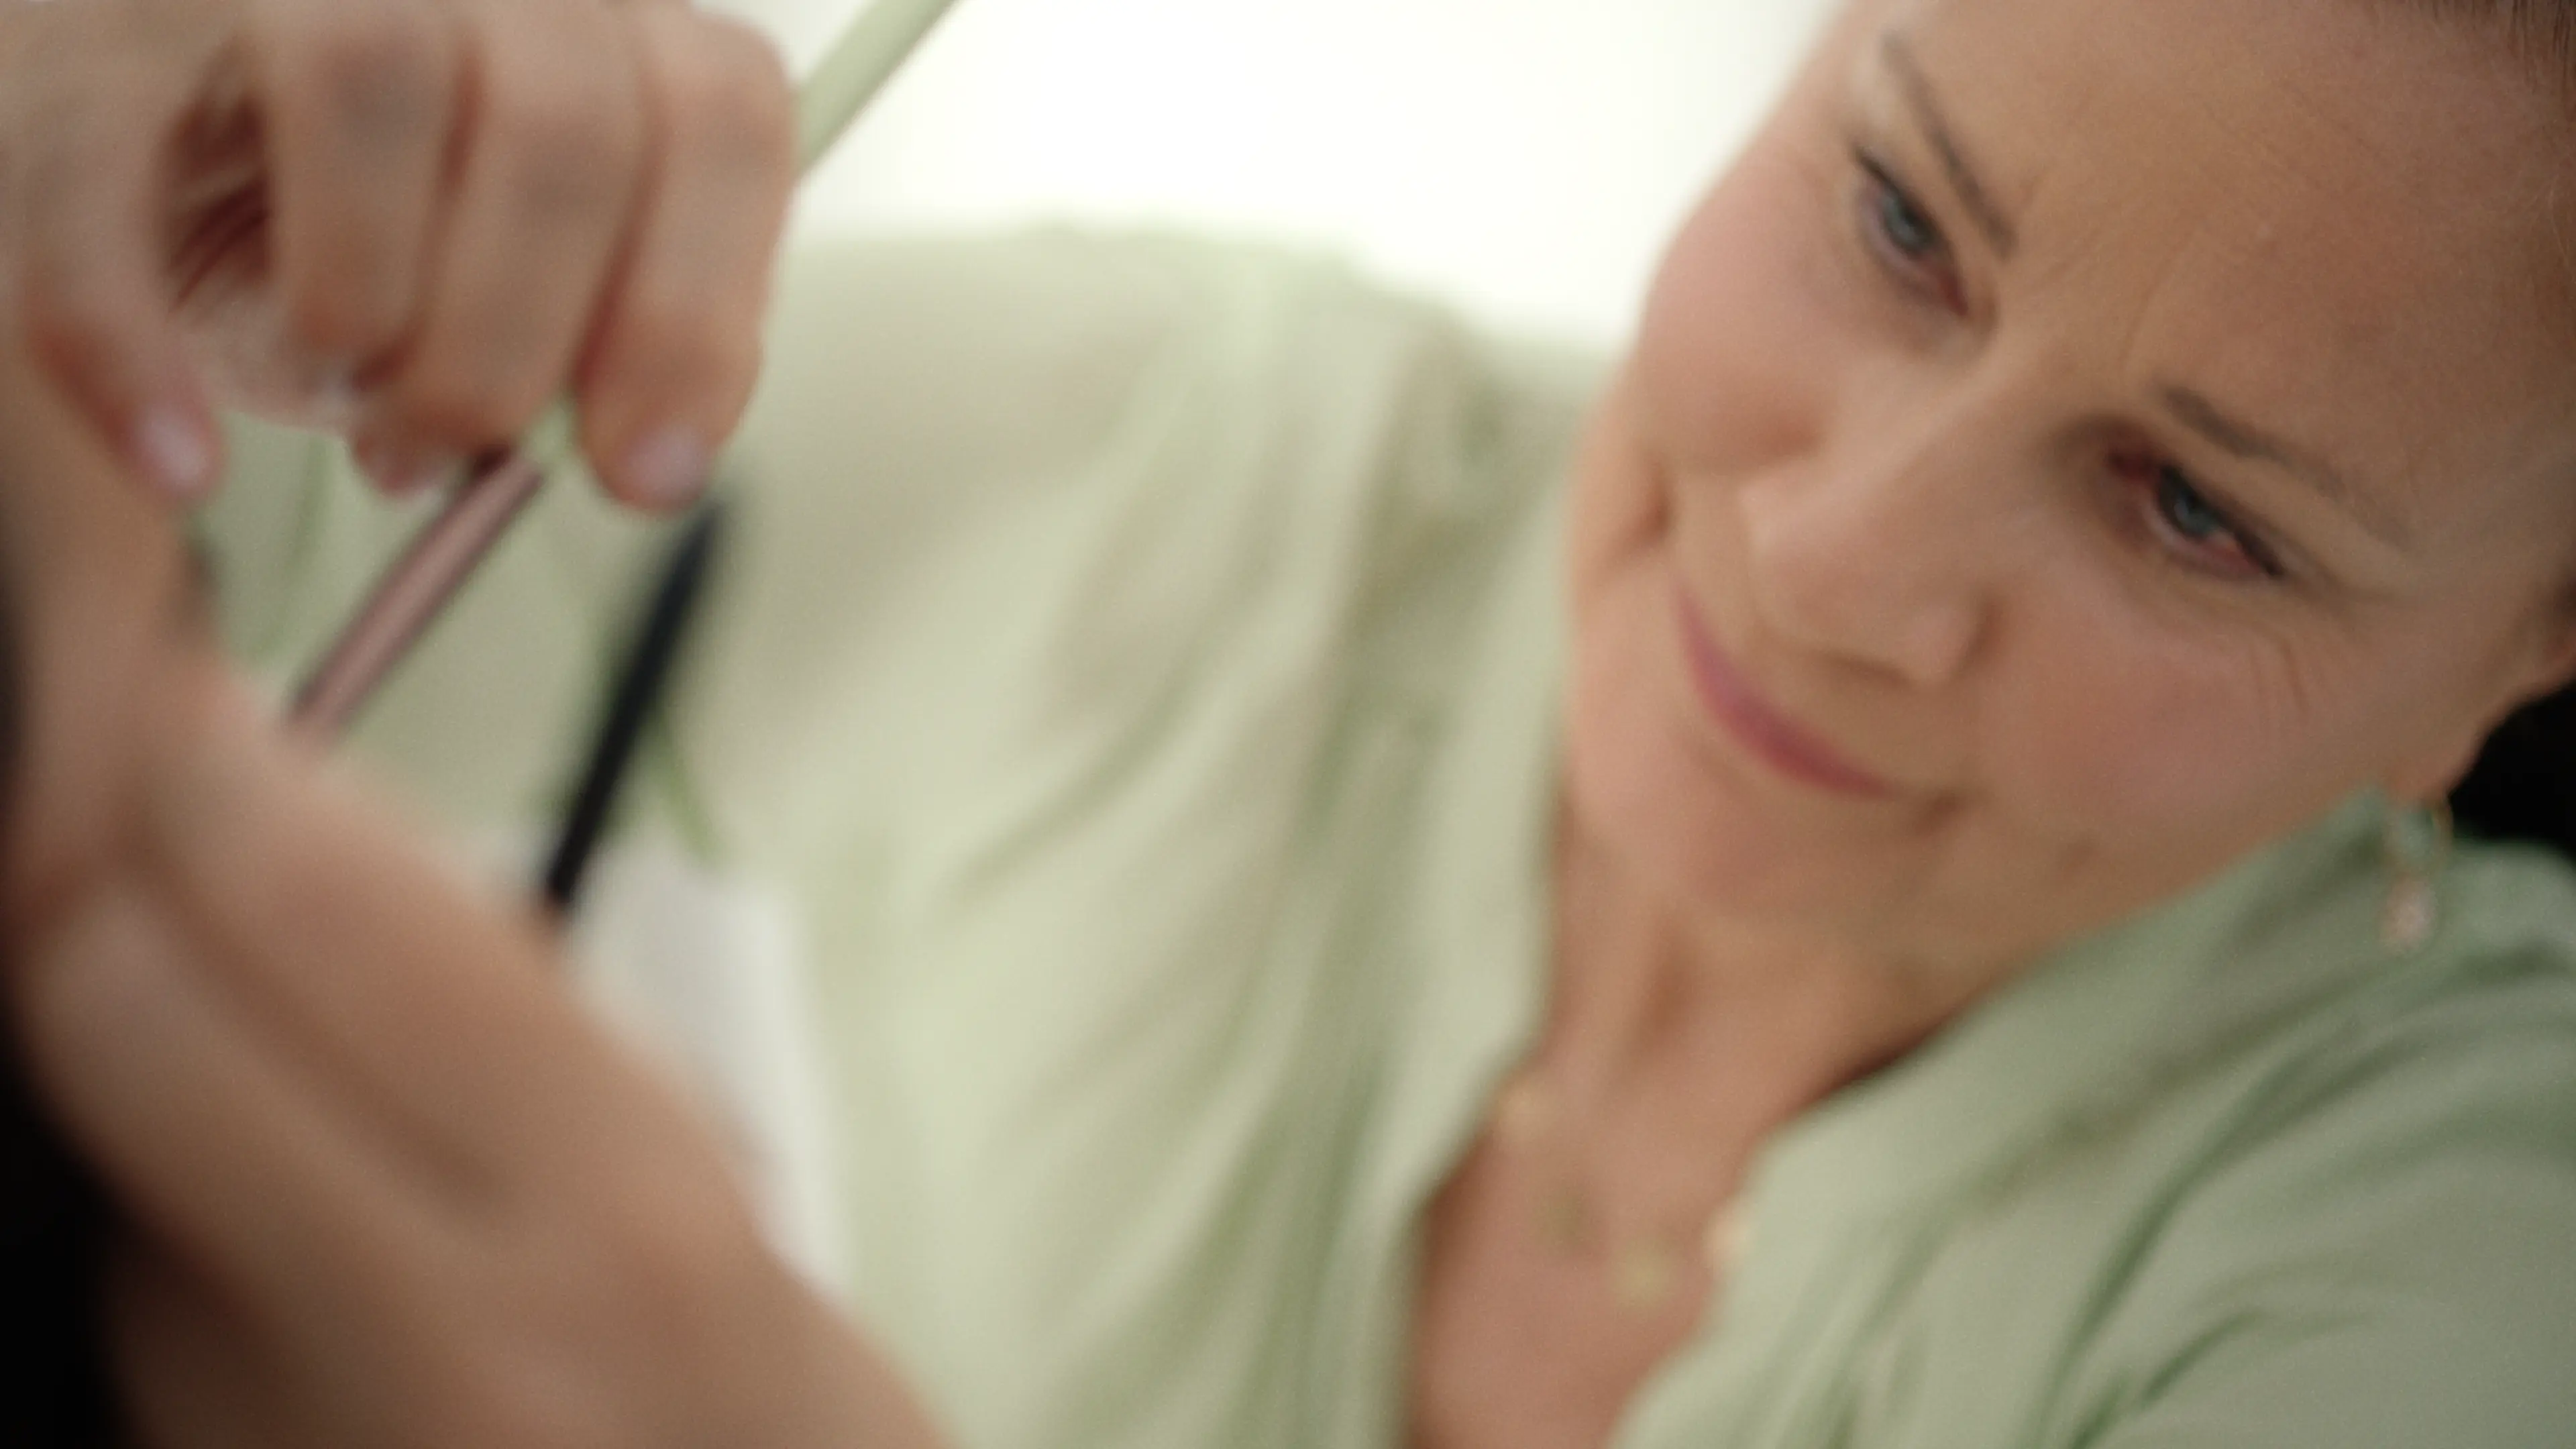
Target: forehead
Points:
x,y
2341,216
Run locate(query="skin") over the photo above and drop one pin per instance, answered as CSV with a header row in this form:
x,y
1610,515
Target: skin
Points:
x,y
414,221
1908,452
382,1180
385,1185
338,1098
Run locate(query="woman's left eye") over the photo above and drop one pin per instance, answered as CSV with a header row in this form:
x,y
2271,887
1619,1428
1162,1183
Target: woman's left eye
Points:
x,y
2198,528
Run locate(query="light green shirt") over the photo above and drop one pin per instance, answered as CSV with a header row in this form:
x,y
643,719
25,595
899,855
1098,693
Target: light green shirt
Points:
x,y
1140,664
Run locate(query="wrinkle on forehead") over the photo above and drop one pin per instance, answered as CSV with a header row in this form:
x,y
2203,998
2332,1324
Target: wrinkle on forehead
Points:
x,y
2282,206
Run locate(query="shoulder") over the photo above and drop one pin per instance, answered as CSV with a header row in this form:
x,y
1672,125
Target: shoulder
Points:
x,y
1062,495
2377,1243
2480,1021
1076,559
1067,367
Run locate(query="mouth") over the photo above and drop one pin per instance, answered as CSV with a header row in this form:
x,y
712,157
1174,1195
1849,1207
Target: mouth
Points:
x,y
1763,731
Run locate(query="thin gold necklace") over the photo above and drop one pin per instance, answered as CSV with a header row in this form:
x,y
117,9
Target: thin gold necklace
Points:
x,y
1645,1269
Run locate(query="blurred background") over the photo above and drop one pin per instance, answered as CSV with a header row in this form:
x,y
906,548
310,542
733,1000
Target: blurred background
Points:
x,y
1524,158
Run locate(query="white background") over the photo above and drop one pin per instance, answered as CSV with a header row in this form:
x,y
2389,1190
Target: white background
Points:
x,y
1524,157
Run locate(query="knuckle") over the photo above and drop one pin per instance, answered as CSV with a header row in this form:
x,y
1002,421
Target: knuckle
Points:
x,y
73,321
341,316
571,149
573,161
69,140
730,88
84,294
468,406
344,305
469,415
383,71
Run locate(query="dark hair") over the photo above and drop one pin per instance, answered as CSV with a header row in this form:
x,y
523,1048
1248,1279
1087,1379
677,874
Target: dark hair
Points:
x,y
2523,786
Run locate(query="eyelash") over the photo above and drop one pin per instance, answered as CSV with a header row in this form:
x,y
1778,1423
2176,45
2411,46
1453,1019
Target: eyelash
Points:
x,y
1923,265
1910,246
2186,521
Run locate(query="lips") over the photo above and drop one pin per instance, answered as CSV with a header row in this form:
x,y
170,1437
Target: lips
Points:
x,y
1731,699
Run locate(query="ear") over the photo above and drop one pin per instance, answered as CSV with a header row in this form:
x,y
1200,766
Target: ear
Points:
x,y
2548,667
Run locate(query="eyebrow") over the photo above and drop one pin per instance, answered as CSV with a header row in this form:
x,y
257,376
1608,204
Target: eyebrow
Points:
x,y
1935,123
2241,439
2229,433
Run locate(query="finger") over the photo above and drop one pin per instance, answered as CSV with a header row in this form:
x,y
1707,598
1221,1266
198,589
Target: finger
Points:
x,y
361,97
672,365
204,1130
89,288
539,208
438,1016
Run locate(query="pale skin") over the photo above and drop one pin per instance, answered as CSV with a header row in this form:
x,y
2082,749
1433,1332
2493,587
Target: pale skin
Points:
x,y
1897,439
2075,418
411,221
383,1181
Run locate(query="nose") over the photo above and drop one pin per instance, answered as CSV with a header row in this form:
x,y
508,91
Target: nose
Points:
x,y
1885,563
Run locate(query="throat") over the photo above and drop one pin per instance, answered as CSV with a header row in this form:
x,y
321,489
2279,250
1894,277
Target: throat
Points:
x,y
1749,1025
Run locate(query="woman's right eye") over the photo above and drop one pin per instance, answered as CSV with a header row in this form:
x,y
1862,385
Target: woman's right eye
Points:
x,y
1904,237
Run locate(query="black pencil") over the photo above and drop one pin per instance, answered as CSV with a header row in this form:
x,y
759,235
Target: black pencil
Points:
x,y
642,677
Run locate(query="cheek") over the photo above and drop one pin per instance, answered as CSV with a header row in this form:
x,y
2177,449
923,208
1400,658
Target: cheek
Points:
x,y
2153,739
1732,370
1740,339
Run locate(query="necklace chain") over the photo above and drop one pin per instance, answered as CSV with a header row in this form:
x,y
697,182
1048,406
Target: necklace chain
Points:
x,y
1645,1269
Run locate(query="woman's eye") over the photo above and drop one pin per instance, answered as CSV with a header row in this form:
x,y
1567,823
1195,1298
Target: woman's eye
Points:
x,y
2198,529
1907,229
1904,236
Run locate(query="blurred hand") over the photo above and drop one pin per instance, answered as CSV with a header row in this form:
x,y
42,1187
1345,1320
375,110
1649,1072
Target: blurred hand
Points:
x,y
412,221
388,1185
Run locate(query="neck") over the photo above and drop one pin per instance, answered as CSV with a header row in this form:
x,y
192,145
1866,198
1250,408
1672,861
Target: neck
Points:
x,y
1765,1019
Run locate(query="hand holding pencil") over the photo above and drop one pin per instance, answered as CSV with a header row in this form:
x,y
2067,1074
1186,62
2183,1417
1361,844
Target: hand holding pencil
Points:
x,y
413,222
381,1181
447,550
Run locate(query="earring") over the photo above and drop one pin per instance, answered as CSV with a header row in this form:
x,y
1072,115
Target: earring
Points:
x,y
2415,845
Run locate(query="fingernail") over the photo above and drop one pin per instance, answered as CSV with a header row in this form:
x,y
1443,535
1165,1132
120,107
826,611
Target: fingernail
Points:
x,y
666,470
175,451
404,473
334,396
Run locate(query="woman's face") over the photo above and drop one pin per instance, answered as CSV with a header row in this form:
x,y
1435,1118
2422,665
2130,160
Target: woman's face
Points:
x,y
2079,441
